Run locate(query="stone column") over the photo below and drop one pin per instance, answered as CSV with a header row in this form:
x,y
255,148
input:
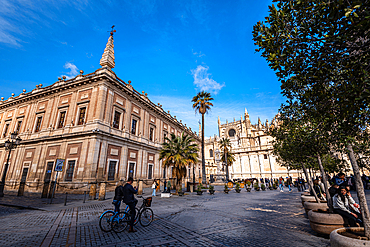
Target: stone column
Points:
x,y
140,189
92,194
21,188
102,191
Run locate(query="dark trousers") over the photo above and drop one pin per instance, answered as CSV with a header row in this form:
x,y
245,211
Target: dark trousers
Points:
x,y
133,213
117,205
351,219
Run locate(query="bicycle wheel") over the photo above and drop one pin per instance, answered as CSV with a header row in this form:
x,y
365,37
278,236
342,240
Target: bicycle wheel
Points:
x,y
105,221
146,217
119,222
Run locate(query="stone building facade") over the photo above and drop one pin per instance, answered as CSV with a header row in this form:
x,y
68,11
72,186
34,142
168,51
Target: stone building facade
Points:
x,y
252,148
103,128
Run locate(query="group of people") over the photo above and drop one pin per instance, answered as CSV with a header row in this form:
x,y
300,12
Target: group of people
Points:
x,y
343,203
288,183
126,194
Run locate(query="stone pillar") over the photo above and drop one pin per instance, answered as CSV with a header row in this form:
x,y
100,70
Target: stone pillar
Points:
x,y
102,191
186,184
191,188
21,188
140,189
52,184
92,193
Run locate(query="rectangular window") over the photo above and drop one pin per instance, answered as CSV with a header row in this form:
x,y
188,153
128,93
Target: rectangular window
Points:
x,y
164,172
164,137
151,133
116,119
24,175
6,130
150,171
112,170
49,170
265,156
133,127
62,118
131,170
70,169
38,124
81,116
18,127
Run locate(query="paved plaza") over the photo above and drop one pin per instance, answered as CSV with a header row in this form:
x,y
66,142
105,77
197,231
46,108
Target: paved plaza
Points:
x,y
265,218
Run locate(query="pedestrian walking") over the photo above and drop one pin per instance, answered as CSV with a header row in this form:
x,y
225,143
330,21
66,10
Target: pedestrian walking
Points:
x,y
154,187
168,186
289,183
129,199
281,184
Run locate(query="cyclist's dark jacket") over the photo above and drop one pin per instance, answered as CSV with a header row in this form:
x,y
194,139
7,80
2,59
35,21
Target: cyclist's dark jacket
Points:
x,y
118,193
128,194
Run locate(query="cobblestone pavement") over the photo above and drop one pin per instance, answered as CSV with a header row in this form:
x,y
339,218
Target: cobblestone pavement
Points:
x,y
265,218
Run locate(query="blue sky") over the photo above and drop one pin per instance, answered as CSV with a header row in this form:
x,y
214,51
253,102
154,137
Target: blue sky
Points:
x,y
169,49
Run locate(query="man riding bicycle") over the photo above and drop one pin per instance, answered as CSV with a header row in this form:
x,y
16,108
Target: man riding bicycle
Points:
x,y
129,199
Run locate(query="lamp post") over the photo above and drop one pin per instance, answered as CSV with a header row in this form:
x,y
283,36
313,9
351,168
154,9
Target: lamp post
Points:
x,y
9,145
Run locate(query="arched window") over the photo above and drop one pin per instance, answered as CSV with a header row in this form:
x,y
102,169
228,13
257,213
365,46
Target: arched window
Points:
x,y
211,153
232,133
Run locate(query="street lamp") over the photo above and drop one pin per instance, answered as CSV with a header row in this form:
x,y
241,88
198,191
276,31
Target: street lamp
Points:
x,y
9,145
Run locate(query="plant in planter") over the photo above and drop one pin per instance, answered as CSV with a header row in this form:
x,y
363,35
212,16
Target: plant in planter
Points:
x,y
211,189
275,186
263,187
237,188
199,189
256,187
226,189
249,187
180,192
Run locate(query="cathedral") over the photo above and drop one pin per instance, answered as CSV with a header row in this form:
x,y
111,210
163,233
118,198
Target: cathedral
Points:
x,y
252,149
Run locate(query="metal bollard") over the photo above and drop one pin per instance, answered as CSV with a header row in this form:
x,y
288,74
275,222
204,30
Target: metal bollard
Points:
x,y
65,199
84,196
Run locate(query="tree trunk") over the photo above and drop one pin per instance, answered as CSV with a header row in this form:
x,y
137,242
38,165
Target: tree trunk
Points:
x,y
325,181
309,181
360,191
204,181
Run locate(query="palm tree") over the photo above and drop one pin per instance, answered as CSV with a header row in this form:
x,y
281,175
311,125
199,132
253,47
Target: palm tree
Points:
x,y
226,154
179,152
202,104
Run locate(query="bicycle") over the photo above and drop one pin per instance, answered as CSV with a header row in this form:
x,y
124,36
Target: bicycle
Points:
x,y
144,215
107,217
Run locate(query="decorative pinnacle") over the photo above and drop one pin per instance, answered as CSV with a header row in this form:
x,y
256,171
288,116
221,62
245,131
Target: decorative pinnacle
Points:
x,y
107,58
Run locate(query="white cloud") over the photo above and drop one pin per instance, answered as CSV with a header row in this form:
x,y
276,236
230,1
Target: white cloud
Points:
x,y
198,54
73,70
203,82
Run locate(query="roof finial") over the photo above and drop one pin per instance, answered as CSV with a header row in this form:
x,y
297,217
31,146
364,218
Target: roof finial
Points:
x,y
112,31
107,58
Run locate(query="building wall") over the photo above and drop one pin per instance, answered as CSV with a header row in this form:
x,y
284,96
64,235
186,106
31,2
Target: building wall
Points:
x,y
93,144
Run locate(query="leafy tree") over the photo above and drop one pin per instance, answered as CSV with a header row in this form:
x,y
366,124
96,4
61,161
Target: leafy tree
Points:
x,y
319,51
202,104
226,154
179,152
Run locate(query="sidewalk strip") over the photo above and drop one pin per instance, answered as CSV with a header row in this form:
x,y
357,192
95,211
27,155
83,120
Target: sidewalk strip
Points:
x,y
49,237
73,228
